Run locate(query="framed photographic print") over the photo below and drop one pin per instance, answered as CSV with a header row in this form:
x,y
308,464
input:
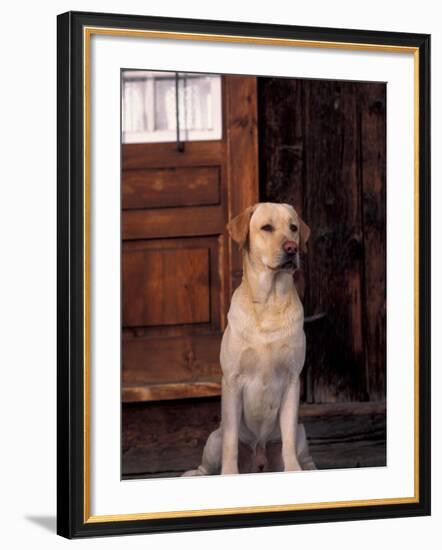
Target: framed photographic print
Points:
x,y
243,274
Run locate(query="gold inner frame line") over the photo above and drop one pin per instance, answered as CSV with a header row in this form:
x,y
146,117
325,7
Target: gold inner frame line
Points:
x,y
87,33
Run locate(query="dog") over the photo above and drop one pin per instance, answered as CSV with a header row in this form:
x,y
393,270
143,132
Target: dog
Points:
x,y
262,351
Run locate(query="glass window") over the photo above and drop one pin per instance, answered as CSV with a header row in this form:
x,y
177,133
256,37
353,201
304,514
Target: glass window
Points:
x,y
151,108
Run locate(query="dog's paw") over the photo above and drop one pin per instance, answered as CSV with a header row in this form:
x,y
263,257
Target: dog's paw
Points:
x,y
292,466
200,471
229,470
190,473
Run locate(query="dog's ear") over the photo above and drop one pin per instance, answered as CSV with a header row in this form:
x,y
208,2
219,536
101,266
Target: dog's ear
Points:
x,y
238,227
304,234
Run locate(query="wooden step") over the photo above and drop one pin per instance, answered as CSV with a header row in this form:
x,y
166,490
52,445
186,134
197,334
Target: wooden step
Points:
x,y
133,393
163,439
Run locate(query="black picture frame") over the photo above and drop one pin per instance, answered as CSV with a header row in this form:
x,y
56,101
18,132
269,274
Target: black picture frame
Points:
x,y
72,521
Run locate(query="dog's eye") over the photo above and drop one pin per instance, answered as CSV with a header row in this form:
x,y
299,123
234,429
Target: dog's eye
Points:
x,y
267,227
293,228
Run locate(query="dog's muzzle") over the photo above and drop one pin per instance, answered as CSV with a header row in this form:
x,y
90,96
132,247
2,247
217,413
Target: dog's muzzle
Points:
x,y
290,259
289,262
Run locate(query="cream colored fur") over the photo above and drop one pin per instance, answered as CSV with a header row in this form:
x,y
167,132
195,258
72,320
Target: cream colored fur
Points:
x,y
262,351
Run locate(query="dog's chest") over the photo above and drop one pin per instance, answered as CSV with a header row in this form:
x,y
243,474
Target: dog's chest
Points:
x,y
273,322
265,373
271,362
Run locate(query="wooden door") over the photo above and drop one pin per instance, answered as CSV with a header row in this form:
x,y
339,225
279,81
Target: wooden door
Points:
x,y
178,265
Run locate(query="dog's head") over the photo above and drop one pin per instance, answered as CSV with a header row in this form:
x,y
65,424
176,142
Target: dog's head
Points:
x,y
273,234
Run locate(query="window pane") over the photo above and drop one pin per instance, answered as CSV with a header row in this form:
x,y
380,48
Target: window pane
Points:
x,y
150,109
134,115
165,112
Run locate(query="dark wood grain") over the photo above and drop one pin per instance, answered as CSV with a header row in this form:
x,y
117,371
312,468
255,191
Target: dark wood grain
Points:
x,y
323,150
281,140
372,108
332,209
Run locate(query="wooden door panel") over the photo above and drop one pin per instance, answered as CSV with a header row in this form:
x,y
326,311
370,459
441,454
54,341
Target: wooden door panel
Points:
x,y
166,287
168,360
212,249
166,187
173,222
159,155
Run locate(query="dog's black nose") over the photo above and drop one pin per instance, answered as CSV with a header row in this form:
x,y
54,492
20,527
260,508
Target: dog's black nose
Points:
x,y
290,247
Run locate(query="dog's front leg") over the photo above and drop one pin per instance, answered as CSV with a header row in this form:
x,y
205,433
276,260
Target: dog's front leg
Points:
x,y
288,419
231,415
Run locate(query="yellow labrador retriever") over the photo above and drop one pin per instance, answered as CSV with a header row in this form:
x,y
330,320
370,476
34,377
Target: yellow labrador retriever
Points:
x,y
262,350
